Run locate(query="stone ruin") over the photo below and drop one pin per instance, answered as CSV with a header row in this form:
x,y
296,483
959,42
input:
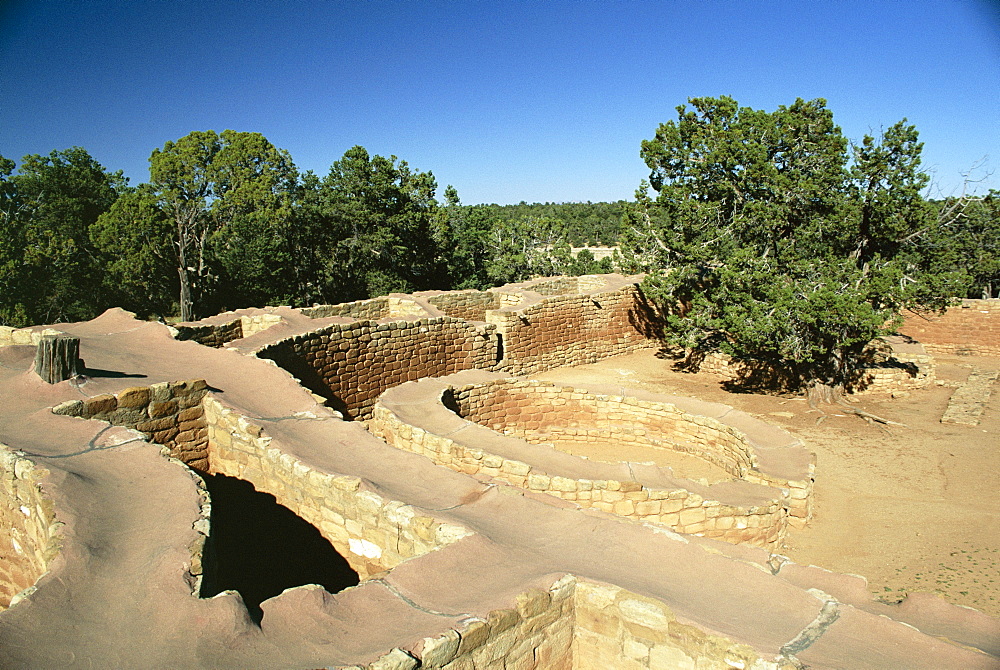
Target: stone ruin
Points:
x,y
408,430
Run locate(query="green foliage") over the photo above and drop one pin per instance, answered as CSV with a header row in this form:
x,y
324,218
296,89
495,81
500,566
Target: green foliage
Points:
x,y
770,241
583,223
134,239
48,270
969,240
228,197
381,216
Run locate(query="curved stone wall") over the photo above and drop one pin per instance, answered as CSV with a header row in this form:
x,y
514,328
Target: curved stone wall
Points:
x,y
756,510
540,412
352,364
373,534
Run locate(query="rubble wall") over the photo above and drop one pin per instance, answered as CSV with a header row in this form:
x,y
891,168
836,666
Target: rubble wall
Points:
x,y
973,328
352,364
28,528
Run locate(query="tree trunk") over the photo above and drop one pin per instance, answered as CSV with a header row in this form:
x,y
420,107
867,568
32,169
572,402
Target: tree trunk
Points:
x,y
57,358
185,297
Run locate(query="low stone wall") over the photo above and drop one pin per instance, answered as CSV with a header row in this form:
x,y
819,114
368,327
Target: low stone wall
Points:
x,y
11,336
557,286
762,524
615,628
251,324
169,414
468,305
372,533
578,624
572,329
211,335
972,328
536,632
29,532
352,364
373,309
968,402
539,412
900,371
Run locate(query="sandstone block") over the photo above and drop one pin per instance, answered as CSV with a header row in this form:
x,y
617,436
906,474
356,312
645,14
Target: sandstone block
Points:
x,y
136,396
100,404
397,659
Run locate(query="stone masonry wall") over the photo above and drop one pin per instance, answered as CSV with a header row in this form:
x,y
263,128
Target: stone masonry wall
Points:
x,y
762,525
211,335
970,328
572,330
168,413
373,534
536,632
615,628
352,364
537,411
29,532
557,286
10,336
902,372
467,305
578,624
375,308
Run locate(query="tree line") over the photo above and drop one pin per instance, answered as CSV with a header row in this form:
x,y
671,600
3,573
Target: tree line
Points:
x,y
766,235
226,220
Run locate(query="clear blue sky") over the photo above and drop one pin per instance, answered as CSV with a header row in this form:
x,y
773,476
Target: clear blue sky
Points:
x,y
507,101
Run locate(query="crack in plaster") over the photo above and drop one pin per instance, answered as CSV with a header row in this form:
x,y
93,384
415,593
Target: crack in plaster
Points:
x,y
396,592
92,445
828,614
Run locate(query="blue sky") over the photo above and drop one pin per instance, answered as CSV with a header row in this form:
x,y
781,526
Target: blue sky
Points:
x,y
507,101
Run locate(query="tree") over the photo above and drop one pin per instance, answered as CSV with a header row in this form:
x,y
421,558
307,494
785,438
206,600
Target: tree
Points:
x,y
48,269
464,233
769,243
526,247
968,239
134,240
224,195
382,215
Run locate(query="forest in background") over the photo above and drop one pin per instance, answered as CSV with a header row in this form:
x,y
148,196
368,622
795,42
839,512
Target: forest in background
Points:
x,y
227,221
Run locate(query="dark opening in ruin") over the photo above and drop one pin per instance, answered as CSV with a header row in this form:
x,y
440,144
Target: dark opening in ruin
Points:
x,y
260,548
499,348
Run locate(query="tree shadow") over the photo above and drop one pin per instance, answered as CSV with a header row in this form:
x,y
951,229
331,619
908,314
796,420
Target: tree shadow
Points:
x,y
109,374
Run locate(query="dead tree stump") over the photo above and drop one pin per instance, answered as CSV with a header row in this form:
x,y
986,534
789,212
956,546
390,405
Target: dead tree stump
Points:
x,y
57,358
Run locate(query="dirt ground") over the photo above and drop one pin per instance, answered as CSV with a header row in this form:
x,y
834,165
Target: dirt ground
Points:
x,y
912,508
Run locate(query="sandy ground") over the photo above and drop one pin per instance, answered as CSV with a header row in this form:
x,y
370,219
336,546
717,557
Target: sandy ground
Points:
x,y
911,509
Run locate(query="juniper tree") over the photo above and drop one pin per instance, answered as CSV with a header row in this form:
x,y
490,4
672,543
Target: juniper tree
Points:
x,y
773,240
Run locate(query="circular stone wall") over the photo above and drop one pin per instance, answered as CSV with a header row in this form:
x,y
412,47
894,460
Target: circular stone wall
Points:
x,y
567,418
483,424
